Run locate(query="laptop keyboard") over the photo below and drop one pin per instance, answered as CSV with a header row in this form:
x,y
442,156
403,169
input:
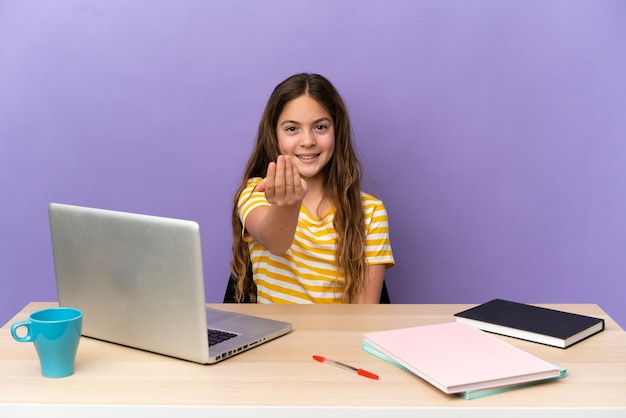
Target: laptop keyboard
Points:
x,y
217,336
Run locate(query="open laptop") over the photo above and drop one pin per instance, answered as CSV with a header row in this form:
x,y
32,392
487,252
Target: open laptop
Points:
x,y
138,280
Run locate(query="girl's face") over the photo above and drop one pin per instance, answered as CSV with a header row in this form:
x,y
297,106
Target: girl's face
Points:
x,y
306,134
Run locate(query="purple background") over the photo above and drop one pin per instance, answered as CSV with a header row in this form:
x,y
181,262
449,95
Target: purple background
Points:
x,y
494,131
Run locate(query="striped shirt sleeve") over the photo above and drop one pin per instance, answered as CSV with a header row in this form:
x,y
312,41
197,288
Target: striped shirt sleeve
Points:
x,y
377,242
250,199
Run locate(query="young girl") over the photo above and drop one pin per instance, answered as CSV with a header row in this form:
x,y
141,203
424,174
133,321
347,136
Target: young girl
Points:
x,y
304,232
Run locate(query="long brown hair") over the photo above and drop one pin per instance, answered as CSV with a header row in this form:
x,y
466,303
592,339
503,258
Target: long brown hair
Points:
x,y
342,186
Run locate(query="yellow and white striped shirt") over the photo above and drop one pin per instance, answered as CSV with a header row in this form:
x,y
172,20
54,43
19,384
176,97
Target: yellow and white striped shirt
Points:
x,y
308,271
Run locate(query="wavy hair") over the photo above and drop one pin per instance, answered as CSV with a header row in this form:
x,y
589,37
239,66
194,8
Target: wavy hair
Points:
x,y
342,183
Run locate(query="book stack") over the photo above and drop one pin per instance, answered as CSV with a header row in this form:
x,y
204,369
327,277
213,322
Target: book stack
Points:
x,y
460,359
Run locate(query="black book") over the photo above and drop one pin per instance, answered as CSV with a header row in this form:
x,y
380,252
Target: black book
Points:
x,y
532,323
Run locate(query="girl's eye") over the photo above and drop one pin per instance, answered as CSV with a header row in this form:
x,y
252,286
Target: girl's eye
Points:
x,y
290,129
321,127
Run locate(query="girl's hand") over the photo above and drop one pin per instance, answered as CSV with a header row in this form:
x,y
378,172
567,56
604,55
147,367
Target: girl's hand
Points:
x,y
283,185
274,226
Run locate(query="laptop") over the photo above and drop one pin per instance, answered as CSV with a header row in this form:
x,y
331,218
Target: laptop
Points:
x,y
139,281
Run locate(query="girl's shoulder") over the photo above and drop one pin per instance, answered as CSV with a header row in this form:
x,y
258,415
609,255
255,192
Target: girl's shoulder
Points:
x,y
372,206
249,197
252,183
368,199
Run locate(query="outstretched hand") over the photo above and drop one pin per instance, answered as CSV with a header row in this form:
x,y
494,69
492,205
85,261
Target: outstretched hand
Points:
x,y
283,185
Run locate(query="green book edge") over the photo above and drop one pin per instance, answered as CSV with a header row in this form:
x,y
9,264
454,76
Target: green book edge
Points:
x,y
470,394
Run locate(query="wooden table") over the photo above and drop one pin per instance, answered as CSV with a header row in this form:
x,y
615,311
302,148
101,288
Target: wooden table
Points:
x,y
280,379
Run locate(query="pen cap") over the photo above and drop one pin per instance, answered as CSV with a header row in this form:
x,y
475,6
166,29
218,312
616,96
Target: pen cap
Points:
x,y
367,374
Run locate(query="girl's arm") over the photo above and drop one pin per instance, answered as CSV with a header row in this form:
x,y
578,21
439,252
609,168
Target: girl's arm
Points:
x,y
374,277
274,226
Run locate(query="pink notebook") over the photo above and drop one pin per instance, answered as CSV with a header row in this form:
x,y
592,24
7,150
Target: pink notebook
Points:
x,y
456,357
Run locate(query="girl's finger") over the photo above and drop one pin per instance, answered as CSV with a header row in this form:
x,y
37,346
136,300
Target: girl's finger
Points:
x,y
268,182
279,177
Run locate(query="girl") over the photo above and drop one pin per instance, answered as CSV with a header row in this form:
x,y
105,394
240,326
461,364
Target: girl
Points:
x,y
305,233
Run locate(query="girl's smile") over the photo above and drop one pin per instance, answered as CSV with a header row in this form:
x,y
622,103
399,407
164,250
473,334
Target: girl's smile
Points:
x,y
307,157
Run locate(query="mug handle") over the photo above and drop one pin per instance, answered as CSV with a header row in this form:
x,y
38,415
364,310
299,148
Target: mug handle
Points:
x,y
25,339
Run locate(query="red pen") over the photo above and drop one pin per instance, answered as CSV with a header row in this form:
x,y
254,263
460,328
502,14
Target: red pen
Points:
x,y
346,367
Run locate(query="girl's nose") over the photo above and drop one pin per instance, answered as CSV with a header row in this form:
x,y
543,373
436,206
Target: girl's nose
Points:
x,y
307,138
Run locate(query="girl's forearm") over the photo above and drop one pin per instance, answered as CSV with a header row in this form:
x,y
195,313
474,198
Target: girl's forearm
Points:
x,y
276,227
